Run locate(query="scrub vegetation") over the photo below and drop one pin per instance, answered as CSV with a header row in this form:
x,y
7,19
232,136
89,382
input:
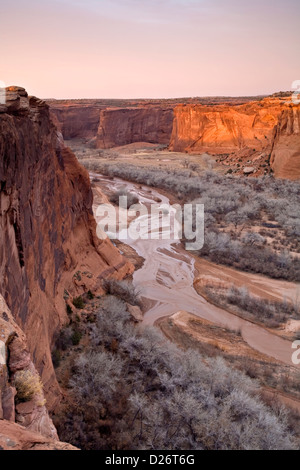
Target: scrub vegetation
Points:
x,y
133,389
251,223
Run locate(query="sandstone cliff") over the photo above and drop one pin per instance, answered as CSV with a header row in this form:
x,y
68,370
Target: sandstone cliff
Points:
x,y
225,129
143,124
112,126
76,121
237,129
23,425
80,118
285,156
49,251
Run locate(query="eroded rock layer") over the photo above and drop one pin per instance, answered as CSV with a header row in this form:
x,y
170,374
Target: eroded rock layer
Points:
x,y
16,437
76,121
49,250
124,126
225,129
242,129
285,157
15,358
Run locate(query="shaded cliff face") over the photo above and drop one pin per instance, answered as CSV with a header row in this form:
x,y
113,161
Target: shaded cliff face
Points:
x,y
76,121
47,231
225,129
125,126
20,422
285,156
113,126
80,119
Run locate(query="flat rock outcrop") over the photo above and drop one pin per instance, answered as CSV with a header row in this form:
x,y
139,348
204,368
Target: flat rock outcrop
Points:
x,y
16,437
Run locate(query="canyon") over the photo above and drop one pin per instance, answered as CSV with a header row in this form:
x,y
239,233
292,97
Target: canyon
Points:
x,y
168,267
49,251
257,131
107,124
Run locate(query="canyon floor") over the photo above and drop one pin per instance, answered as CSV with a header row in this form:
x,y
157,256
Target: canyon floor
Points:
x,y
145,154
172,284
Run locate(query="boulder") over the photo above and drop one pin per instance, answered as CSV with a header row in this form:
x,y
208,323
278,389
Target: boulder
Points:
x,y
135,312
16,100
248,170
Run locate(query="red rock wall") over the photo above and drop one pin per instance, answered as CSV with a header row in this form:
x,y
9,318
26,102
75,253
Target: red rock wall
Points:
x,y
224,128
47,229
237,127
112,127
127,125
76,122
15,358
285,157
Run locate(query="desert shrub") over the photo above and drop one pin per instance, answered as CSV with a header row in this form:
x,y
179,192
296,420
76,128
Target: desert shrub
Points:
x,y
131,198
112,319
262,308
222,249
146,393
67,337
78,302
209,161
194,166
90,295
64,339
241,202
56,358
96,374
69,309
251,238
76,337
28,384
122,289
272,313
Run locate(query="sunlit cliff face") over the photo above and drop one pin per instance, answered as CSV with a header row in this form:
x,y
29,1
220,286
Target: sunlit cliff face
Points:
x,y
223,128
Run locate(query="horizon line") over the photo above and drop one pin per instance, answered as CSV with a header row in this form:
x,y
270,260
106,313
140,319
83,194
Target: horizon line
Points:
x,y
171,98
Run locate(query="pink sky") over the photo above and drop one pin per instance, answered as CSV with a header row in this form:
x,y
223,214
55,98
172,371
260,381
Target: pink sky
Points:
x,y
149,48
